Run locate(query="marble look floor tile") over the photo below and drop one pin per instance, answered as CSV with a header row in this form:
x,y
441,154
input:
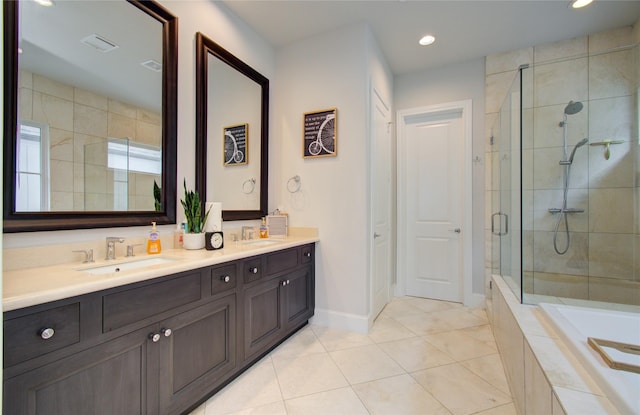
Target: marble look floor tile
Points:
x,y
441,321
460,346
304,375
427,305
387,329
341,401
459,390
415,354
363,364
483,333
490,369
334,339
256,387
508,409
398,395
403,307
275,408
302,343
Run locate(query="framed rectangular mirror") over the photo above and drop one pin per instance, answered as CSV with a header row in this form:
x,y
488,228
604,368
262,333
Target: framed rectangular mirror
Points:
x,y
232,132
90,114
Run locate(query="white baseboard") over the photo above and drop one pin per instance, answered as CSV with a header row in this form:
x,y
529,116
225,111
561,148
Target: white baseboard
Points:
x,y
342,321
476,300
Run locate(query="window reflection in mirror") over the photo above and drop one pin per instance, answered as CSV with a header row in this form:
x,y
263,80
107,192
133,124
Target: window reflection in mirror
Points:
x,y
91,82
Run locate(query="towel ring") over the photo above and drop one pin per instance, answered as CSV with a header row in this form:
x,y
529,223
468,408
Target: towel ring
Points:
x,y
293,184
248,186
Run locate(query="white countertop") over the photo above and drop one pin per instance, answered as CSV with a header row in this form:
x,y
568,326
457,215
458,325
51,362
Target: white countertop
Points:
x,y
32,286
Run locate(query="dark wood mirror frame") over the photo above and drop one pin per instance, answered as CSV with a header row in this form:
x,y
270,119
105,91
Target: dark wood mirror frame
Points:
x,y
204,47
45,221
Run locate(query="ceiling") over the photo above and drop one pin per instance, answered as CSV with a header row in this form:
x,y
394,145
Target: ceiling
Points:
x,y
464,30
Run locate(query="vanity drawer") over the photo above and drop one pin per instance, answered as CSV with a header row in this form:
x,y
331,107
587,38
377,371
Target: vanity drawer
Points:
x,y
224,278
252,269
282,261
130,306
25,337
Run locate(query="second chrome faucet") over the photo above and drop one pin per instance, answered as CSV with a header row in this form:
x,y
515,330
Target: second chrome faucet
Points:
x,y
111,246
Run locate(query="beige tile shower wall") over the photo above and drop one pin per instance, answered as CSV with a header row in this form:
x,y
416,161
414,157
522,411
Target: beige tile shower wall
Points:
x,y
601,71
76,118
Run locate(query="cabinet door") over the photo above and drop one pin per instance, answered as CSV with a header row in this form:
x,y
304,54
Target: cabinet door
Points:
x,y
107,379
199,351
299,301
262,316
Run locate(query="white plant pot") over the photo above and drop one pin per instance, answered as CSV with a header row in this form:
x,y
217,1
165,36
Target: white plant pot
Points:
x,y
193,240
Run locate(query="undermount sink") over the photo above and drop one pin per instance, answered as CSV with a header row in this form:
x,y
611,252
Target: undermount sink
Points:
x,y
262,242
125,266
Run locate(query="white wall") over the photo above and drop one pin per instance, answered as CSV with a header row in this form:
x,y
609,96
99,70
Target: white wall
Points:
x,y
448,84
321,72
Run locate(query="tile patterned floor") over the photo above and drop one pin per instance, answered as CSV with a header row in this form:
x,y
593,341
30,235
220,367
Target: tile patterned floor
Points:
x,y
421,357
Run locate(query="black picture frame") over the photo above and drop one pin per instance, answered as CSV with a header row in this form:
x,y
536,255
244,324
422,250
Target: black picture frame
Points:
x,y
320,133
236,145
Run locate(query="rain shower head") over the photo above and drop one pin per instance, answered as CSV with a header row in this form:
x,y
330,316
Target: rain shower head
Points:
x,y
573,107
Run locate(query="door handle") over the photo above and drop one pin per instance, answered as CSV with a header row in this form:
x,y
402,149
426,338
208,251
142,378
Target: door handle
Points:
x,y
456,230
506,224
376,235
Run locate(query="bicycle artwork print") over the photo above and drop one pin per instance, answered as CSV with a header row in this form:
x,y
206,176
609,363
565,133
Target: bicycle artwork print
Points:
x,y
320,133
236,140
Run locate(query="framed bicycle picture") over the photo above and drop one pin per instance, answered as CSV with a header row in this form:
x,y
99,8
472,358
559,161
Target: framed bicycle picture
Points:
x,y
320,133
236,144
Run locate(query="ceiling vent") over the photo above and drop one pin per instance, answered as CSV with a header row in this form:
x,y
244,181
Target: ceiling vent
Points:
x,y
100,43
152,65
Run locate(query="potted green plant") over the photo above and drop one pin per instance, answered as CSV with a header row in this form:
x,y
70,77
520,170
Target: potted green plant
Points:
x,y
194,234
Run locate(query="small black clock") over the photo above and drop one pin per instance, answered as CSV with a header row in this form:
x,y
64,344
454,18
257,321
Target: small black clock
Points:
x,y
213,240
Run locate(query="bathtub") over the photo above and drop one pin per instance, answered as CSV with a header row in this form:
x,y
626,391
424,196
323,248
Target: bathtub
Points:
x,y
576,324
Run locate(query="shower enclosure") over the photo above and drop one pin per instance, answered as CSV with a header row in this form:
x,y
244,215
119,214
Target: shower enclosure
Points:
x,y
565,177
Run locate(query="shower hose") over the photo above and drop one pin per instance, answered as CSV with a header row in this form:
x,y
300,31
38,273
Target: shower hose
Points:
x,y
563,215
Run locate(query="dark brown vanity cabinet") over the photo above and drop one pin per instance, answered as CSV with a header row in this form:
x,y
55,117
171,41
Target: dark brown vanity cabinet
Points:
x,y
154,347
280,301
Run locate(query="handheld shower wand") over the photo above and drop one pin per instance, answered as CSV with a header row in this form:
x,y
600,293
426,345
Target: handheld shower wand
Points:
x,y
573,152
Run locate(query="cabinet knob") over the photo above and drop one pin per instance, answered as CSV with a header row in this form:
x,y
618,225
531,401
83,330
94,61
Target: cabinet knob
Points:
x,y
46,333
225,278
166,332
154,337
288,282
283,283
307,254
253,270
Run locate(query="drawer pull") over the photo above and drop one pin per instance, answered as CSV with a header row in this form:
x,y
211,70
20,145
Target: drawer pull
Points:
x,y
253,270
225,278
46,333
154,337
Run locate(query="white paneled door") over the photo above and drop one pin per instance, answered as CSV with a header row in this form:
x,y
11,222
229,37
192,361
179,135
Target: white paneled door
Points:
x,y
381,205
433,145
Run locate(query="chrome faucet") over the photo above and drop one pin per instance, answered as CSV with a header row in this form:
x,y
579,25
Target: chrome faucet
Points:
x,y
247,233
111,246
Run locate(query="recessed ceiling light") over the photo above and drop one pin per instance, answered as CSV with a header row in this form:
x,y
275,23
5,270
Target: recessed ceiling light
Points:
x,y
46,3
576,4
427,40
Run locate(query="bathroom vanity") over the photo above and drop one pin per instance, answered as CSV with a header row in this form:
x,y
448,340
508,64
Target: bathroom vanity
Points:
x,y
160,345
